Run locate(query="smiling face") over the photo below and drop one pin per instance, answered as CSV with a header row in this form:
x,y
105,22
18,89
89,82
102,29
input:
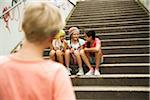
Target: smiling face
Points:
x,y
75,35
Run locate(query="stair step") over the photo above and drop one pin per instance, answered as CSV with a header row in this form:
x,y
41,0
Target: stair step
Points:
x,y
122,36
100,7
112,93
126,39
102,12
134,28
92,4
129,17
96,15
127,64
111,24
112,80
143,49
124,68
106,1
118,35
125,55
127,58
121,47
125,42
127,51
106,21
101,4
105,10
112,88
81,10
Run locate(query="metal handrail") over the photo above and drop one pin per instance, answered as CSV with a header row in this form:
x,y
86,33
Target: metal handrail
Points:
x,y
18,3
71,3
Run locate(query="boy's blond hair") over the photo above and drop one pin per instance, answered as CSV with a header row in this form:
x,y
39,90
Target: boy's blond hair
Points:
x,y
40,21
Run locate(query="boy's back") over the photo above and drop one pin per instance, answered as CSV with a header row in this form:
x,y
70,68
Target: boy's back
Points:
x,y
33,80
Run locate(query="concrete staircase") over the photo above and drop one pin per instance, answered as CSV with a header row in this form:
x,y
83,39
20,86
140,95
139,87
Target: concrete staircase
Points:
x,y
123,27
112,87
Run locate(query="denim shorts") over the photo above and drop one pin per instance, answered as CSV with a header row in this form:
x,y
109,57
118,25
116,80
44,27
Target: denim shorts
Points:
x,y
92,60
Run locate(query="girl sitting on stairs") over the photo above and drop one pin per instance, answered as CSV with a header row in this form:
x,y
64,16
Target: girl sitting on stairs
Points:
x,y
58,47
92,52
73,50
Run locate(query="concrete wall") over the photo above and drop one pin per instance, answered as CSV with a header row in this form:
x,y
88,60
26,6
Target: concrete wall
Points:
x,y
146,4
10,37
10,33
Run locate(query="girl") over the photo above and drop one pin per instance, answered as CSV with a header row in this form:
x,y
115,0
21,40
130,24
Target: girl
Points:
x,y
74,45
59,45
92,52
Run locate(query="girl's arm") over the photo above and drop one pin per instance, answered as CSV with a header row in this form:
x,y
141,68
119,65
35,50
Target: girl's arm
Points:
x,y
93,49
51,46
66,46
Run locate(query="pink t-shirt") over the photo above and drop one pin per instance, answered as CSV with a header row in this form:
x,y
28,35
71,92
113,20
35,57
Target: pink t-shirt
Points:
x,y
97,41
34,80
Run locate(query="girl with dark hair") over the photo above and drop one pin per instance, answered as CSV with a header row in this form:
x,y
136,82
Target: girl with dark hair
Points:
x,y
91,52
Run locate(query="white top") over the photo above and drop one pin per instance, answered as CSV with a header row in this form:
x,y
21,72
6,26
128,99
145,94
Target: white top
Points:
x,y
76,45
57,44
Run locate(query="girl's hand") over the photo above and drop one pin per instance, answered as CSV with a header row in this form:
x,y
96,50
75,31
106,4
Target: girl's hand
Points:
x,y
85,49
56,48
71,50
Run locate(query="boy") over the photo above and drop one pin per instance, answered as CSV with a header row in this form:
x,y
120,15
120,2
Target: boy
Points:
x,y
25,75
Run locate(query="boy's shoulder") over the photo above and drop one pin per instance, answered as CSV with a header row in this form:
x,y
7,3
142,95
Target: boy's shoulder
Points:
x,y
52,67
3,59
50,63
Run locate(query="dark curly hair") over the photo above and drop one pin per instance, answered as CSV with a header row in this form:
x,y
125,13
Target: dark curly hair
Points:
x,y
91,33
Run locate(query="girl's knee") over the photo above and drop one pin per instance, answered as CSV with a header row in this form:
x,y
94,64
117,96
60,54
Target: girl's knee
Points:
x,y
52,52
76,52
67,51
59,52
82,52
